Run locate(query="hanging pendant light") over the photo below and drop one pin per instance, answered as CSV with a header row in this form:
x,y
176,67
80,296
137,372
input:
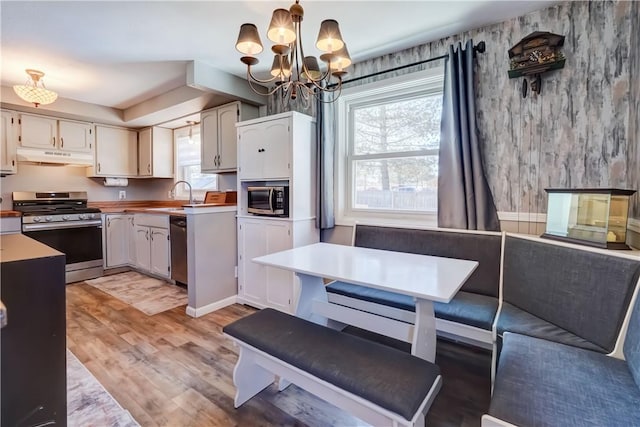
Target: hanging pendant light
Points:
x,y
34,91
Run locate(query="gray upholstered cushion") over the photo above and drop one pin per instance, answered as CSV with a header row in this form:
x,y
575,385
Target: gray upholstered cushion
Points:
x,y
543,383
632,343
484,248
470,309
383,375
565,286
466,307
513,319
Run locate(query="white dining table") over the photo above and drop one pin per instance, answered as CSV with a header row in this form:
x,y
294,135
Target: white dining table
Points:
x,y
425,278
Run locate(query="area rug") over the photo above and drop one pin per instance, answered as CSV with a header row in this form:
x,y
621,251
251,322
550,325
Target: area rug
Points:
x,y
88,403
147,294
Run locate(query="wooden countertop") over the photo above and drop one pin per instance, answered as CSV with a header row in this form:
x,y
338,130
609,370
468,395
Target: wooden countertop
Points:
x,y
9,214
18,247
163,207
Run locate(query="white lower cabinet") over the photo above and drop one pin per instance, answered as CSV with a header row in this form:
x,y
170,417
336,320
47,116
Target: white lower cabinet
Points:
x,y
143,247
131,241
261,286
116,240
153,250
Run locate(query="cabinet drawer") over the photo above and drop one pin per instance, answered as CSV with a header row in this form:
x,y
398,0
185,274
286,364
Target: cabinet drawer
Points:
x,y
152,220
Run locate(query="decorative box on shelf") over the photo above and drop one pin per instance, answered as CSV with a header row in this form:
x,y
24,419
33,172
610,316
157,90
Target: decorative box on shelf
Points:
x,y
590,216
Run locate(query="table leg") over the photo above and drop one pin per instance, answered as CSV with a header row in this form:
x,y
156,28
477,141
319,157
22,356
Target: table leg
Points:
x,y
311,288
424,331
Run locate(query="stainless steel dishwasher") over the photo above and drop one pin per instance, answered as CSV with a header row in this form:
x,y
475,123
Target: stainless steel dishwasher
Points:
x,y
178,230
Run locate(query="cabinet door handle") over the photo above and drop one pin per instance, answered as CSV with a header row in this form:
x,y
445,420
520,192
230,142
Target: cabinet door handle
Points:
x,y
98,167
54,141
149,168
61,142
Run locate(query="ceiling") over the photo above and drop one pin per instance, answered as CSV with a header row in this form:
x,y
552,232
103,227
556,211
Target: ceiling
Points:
x,y
122,54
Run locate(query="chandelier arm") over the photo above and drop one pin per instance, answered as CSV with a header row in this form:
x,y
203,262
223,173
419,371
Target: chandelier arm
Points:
x,y
267,93
334,98
299,55
250,77
304,66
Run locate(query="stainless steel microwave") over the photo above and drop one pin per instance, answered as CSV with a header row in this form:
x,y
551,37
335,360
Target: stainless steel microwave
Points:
x,y
268,200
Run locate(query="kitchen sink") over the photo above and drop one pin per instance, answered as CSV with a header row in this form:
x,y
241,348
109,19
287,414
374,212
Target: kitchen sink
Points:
x,y
164,209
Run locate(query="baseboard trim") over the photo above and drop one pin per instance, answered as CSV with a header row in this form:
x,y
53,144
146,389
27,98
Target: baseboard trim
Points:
x,y
210,308
522,216
633,224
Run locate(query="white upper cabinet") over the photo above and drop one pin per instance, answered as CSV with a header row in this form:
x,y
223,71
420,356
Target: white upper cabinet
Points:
x,y
155,152
264,150
116,152
8,142
45,132
75,136
218,136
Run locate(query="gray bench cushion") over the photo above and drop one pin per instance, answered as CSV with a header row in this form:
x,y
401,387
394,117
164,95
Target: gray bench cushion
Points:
x,y
484,248
542,383
467,308
565,286
513,319
632,343
388,377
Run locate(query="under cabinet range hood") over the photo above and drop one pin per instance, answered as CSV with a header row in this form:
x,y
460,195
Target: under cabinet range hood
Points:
x,y
52,156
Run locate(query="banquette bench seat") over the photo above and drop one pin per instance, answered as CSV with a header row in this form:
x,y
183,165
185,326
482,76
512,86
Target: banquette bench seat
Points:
x,y
470,315
565,293
379,384
568,337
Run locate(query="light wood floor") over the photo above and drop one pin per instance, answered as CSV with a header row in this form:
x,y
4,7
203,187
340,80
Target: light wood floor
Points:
x,y
173,370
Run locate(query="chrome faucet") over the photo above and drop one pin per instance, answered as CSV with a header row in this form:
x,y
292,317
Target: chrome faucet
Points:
x,y
173,189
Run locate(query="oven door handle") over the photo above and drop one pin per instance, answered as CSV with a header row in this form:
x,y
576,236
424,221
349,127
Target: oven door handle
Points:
x,y
59,225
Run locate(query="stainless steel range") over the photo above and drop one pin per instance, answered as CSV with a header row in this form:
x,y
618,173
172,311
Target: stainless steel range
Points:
x,y
62,220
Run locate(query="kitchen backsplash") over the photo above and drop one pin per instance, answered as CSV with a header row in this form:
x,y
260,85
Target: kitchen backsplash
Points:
x,y
45,178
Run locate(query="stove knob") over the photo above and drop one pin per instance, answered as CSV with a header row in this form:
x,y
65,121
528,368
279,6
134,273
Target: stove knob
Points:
x,y
37,219
65,217
82,216
48,219
91,216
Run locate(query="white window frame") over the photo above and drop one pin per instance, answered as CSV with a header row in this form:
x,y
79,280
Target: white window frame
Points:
x,y
426,82
182,191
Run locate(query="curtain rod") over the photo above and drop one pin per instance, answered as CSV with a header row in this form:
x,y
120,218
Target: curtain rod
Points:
x,y
480,47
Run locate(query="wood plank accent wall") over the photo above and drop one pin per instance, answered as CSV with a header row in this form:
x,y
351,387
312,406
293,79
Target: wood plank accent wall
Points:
x,y
582,131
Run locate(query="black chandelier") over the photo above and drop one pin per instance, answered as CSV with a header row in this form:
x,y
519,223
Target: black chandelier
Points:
x,y
294,73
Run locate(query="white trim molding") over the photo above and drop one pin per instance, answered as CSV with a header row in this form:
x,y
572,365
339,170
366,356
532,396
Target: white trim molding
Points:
x,y
210,308
522,216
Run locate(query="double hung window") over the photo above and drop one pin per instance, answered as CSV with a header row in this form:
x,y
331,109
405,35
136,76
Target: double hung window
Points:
x,y
187,167
387,156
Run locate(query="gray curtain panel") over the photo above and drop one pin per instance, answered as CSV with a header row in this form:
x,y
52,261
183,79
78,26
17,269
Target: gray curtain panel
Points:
x,y
325,143
464,198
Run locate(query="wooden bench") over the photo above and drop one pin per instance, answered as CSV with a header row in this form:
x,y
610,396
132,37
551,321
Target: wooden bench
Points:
x,y
469,317
378,384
